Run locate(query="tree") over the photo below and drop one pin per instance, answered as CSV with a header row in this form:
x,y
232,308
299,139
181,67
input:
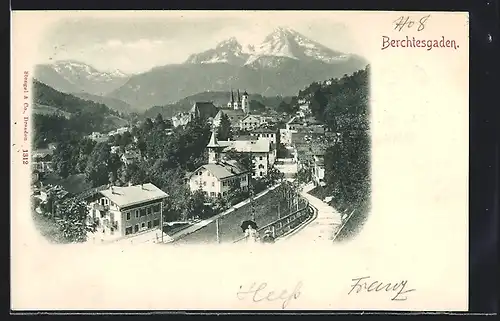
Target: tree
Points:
x,y
125,139
244,159
147,125
273,176
159,122
72,220
196,205
224,132
347,160
304,175
235,193
97,169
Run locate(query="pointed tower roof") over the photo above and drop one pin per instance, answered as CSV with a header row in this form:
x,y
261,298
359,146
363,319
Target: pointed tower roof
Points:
x,y
239,99
245,93
213,141
232,96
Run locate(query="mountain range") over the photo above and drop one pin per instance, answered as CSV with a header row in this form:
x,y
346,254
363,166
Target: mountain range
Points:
x,y
71,76
282,64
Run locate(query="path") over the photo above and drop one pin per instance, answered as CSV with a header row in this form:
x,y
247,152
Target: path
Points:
x,y
322,228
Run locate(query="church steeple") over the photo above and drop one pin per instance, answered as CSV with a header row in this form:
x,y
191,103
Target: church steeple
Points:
x,y
213,141
213,149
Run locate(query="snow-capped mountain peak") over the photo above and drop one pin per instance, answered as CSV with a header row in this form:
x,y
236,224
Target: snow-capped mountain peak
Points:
x,y
229,43
227,51
71,68
282,43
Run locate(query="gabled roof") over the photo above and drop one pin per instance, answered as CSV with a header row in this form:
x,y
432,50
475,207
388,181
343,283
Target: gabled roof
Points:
x,y
204,109
247,146
251,118
222,169
132,195
235,115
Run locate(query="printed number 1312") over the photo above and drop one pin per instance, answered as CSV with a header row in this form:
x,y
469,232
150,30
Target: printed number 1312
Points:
x,y
403,21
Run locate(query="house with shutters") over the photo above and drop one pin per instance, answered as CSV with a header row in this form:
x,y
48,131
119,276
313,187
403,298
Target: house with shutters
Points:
x,y
250,122
122,211
262,154
217,178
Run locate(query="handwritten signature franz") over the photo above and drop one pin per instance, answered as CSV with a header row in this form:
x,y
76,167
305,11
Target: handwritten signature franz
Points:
x,y
260,293
361,284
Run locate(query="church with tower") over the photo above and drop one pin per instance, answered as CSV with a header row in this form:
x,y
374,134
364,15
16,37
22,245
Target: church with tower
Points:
x,y
240,103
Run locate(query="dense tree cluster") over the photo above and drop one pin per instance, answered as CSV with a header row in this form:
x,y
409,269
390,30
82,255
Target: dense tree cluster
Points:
x,y
84,116
343,107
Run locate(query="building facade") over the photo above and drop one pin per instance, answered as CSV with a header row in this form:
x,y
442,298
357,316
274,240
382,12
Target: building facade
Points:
x,y
318,170
260,150
234,115
123,211
217,179
250,122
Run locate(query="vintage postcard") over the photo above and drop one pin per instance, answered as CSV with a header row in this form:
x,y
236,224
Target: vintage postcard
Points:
x,y
239,160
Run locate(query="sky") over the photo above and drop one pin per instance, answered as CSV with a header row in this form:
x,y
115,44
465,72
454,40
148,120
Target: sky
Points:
x,y
135,42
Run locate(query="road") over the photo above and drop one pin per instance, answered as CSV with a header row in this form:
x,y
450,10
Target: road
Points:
x,y
322,228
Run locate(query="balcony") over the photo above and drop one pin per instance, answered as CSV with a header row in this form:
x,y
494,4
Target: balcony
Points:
x,y
100,207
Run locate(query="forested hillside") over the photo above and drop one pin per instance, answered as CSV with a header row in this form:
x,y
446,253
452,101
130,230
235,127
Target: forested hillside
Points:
x,y
219,98
343,105
72,116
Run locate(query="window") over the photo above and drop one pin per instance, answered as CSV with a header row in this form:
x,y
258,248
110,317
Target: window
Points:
x,y
156,208
204,183
224,193
128,216
150,210
156,222
128,230
143,212
136,228
143,225
149,224
213,184
261,166
260,157
261,173
212,194
136,213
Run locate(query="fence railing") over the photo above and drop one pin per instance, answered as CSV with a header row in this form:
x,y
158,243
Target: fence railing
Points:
x,y
287,223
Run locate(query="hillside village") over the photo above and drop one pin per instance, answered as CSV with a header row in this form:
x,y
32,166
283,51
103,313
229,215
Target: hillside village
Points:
x,y
198,163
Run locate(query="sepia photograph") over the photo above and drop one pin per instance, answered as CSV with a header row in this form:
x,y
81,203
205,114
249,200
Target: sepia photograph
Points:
x,y
239,160
260,135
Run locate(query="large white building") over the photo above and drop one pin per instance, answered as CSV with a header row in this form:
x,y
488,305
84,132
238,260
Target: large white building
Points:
x,y
263,156
217,179
120,211
250,122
